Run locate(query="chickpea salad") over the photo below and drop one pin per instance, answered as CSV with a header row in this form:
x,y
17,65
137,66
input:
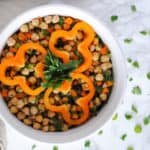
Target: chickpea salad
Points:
x,y
55,73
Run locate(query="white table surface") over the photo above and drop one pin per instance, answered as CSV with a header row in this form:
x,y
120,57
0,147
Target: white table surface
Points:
x,y
128,25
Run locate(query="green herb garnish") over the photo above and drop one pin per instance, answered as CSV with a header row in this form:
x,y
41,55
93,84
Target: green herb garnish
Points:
x,y
143,32
55,147
33,146
115,117
148,75
17,45
130,148
133,8
137,129
44,32
56,72
123,136
87,143
129,60
135,64
61,21
128,40
134,109
128,116
100,132
130,79
114,18
146,120
137,90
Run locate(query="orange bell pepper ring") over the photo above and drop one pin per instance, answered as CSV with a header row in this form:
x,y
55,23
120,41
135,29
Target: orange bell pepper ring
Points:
x,y
19,61
82,102
82,47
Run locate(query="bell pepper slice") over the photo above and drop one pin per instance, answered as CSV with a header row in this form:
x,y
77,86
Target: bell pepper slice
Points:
x,y
82,47
82,102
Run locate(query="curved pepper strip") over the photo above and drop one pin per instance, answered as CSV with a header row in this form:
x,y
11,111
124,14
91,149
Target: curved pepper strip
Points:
x,y
82,102
19,61
82,47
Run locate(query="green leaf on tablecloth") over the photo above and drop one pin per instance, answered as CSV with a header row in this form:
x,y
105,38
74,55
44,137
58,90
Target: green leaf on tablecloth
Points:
x,y
130,148
128,116
148,75
55,147
87,143
137,90
115,117
146,120
123,136
114,18
135,64
133,8
128,40
144,32
33,147
134,109
137,129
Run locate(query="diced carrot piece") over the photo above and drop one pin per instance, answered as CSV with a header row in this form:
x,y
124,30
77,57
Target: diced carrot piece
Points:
x,y
105,90
4,92
74,93
104,50
109,83
68,20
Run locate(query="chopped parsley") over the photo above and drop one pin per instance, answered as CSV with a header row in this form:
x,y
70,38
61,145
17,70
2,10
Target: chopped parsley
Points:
x,y
136,90
87,143
135,64
55,147
100,132
129,60
137,129
128,40
33,146
143,32
148,75
130,148
123,136
128,116
130,79
114,18
134,109
115,117
133,8
146,120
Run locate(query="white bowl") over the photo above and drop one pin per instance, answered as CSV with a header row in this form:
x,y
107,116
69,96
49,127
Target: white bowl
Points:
x,y
118,67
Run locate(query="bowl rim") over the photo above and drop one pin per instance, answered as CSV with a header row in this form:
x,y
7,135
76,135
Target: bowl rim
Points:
x,y
118,91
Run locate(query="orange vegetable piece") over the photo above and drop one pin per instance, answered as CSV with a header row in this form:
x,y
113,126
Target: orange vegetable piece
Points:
x,y
105,90
4,92
68,20
82,102
104,50
82,47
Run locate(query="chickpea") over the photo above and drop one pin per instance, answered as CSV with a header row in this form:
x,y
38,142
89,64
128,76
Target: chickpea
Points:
x,y
65,127
79,36
104,58
24,28
20,104
26,111
67,47
33,110
95,56
57,27
97,101
32,80
35,22
31,27
85,87
20,115
57,98
11,93
51,114
97,69
103,96
45,128
11,41
48,19
44,43
39,118
27,121
45,121
36,126
25,72
41,107
14,101
55,19
99,77
31,99
33,59
9,54
43,25
92,48
13,109
52,128
35,37
106,66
